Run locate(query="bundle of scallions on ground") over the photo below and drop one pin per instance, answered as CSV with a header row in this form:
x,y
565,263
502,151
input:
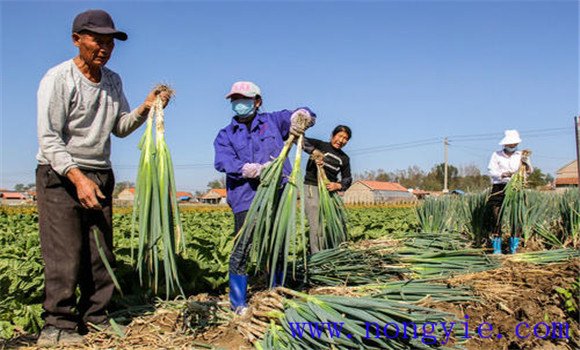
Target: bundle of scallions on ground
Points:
x,y
155,211
271,220
302,321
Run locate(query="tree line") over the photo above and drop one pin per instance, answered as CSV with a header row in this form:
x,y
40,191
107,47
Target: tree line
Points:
x,y
467,178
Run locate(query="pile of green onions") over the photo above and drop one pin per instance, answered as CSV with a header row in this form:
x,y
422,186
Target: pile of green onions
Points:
x,y
353,314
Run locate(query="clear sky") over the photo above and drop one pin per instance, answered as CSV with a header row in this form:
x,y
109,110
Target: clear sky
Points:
x,y
402,74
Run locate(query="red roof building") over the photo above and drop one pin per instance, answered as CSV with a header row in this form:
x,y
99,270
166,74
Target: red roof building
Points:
x,y
375,192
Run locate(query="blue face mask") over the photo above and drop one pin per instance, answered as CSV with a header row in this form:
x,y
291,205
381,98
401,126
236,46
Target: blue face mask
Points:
x,y
243,107
510,149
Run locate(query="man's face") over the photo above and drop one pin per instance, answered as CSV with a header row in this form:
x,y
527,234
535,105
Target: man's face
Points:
x,y
94,49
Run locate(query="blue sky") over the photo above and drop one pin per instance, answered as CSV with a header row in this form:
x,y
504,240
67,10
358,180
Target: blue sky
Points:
x,y
402,74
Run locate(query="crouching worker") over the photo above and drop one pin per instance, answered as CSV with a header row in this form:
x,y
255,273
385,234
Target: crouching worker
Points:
x,y
80,103
242,150
502,166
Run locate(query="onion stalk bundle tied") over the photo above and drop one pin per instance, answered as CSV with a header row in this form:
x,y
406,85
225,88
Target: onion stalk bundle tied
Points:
x,y
544,257
284,232
347,265
155,211
515,203
338,322
270,221
331,214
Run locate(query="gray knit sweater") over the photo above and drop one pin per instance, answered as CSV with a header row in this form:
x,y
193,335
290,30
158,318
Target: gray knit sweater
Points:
x,y
76,118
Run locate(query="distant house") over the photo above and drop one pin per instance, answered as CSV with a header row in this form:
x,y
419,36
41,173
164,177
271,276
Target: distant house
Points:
x,y
567,176
128,194
184,196
214,196
12,198
375,192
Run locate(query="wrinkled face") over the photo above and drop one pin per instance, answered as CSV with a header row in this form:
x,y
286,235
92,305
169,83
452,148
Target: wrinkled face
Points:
x,y
339,140
94,49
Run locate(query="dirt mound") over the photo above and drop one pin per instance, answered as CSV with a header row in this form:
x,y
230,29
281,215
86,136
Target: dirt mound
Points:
x,y
516,293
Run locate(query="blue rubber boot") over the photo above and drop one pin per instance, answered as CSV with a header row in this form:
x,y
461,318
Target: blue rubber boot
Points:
x,y
278,279
238,286
496,243
514,242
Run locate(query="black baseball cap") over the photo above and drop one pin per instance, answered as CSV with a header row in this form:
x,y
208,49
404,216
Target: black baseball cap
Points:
x,y
97,21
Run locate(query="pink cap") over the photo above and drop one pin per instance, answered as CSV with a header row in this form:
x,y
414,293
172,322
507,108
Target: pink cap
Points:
x,y
244,88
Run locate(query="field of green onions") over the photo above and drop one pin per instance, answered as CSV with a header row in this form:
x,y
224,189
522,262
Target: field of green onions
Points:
x,y
424,263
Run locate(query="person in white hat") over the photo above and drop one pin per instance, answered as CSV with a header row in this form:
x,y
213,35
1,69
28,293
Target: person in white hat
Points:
x,y
242,149
502,165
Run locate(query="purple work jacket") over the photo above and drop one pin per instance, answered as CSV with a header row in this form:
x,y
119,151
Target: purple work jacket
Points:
x,y
235,146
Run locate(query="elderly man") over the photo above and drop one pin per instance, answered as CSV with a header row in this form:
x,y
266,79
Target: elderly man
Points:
x,y
80,103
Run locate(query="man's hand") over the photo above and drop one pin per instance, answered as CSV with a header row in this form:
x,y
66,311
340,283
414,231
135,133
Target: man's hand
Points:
x,y
333,186
165,96
300,121
87,189
318,157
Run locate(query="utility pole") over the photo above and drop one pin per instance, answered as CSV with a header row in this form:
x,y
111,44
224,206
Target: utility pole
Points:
x,y
577,128
445,144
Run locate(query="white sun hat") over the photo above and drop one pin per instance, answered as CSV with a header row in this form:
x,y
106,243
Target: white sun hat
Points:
x,y
511,137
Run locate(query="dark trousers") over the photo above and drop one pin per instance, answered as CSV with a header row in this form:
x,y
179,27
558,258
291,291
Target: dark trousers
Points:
x,y
241,251
239,256
494,203
69,250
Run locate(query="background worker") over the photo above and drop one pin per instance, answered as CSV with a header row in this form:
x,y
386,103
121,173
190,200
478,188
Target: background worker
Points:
x,y
242,150
335,162
502,165
80,103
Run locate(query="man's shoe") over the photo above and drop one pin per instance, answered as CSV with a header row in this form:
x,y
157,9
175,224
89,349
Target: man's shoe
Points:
x,y
48,337
51,336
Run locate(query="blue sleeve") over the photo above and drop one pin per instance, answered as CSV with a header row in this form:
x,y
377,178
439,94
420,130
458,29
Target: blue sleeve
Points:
x,y
226,160
282,119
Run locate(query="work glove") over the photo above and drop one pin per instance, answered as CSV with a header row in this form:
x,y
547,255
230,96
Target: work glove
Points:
x,y
300,121
253,170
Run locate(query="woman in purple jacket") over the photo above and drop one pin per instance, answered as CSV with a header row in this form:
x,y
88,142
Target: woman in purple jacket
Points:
x,y
242,150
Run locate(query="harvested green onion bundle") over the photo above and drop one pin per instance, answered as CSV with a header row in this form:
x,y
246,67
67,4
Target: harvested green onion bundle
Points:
x,y
284,232
260,218
515,202
331,214
546,256
337,322
155,211
421,289
347,265
448,263
267,225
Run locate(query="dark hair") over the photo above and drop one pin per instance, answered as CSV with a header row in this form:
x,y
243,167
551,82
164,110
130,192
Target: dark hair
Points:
x,y
344,128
